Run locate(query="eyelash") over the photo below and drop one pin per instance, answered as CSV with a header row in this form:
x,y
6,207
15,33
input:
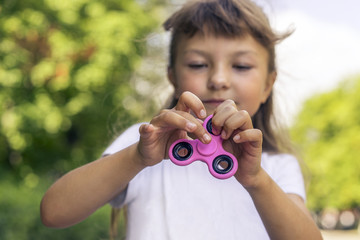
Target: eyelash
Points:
x,y
197,65
242,67
237,67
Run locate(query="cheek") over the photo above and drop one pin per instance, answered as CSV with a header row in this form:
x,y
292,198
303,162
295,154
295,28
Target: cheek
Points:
x,y
188,86
189,83
249,98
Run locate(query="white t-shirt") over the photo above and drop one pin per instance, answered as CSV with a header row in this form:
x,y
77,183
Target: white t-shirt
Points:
x,y
170,202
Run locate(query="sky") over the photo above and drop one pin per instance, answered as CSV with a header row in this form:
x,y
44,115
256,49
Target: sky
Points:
x,y
323,50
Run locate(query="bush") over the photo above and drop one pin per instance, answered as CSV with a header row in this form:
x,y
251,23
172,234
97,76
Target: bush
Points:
x,y
328,131
20,218
65,70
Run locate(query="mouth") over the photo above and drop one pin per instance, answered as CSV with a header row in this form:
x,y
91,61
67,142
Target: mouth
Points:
x,y
213,102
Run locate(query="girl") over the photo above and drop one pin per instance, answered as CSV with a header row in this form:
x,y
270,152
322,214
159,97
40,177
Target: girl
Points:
x,y
222,62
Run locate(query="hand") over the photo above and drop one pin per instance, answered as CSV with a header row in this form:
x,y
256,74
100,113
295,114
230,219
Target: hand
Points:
x,y
170,125
241,139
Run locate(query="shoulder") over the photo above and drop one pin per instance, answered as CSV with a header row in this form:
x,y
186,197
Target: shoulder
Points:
x,y
278,159
280,165
285,170
128,137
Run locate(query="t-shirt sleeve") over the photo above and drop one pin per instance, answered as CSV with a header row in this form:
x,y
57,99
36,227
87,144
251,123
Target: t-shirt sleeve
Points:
x,y
127,138
285,170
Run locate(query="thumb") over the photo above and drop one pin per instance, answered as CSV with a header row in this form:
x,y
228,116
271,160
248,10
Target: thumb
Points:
x,y
146,130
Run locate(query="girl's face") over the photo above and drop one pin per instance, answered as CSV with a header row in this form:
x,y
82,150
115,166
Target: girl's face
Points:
x,y
217,68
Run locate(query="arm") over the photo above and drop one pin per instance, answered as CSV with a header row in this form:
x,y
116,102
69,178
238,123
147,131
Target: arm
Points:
x,y
285,216
82,191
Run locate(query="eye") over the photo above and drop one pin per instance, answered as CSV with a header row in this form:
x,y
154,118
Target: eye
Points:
x,y
241,67
197,65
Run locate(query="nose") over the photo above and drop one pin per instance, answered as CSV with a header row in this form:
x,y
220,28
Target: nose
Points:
x,y
218,78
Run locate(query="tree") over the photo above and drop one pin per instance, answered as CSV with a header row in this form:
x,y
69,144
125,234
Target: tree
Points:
x,y
328,131
65,70
67,88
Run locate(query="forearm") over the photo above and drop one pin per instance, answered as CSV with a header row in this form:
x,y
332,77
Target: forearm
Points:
x,y
283,217
80,192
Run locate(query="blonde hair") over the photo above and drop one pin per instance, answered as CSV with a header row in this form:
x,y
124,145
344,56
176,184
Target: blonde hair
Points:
x,y
115,216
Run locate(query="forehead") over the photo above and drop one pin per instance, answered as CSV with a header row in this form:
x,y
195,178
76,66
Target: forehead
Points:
x,y
207,42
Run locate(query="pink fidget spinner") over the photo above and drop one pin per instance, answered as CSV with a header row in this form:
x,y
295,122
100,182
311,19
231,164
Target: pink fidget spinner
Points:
x,y
221,163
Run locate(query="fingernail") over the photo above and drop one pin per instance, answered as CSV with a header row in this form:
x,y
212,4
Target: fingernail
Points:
x,y
236,138
215,131
206,137
223,134
190,126
202,113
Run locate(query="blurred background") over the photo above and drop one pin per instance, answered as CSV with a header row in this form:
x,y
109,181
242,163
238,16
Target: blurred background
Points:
x,y
74,74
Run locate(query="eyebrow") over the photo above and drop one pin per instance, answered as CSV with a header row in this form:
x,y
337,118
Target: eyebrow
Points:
x,y
235,54
246,52
195,51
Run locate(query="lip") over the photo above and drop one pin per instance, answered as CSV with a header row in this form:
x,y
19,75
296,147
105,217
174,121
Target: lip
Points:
x,y
214,101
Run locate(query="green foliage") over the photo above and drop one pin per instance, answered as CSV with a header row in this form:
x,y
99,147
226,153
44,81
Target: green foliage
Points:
x,y
328,131
65,87
20,219
65,70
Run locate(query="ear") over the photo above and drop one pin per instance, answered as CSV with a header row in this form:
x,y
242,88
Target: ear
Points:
x,y
171,76
269,86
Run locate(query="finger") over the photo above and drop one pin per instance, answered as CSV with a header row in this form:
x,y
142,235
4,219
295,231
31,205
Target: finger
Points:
x,y
145,129
223,112
170,119
199,132
238,121
189,101
253,136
